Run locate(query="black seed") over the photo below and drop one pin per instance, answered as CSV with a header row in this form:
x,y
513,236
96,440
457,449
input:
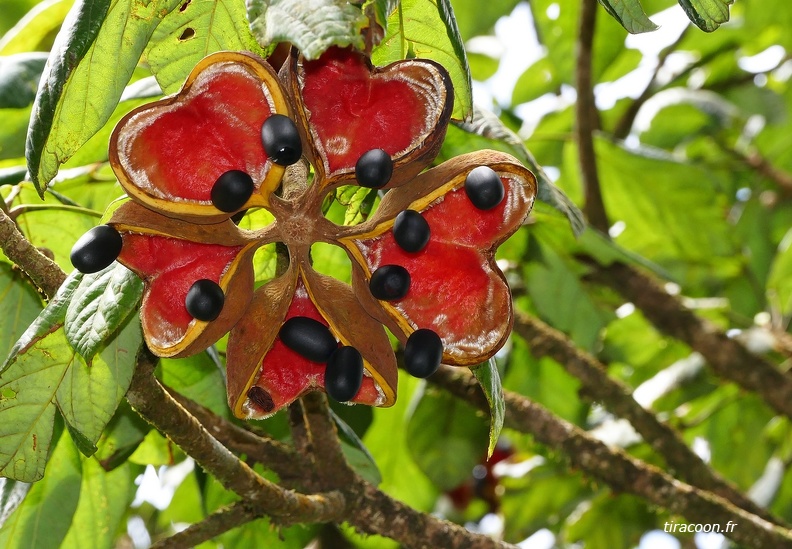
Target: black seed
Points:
x,y
261,398
96,249
232,190
423,353
281,140
484,188
204,300
374,168
344,374
308,337
390,282
411,231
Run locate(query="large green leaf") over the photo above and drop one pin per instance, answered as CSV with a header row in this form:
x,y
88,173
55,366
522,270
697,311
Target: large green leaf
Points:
x,y
85,77
19,307
707,14
19,77
630,14
104,500
446,438
47,321
43,519
121,437
196,29
34,30
27,410
89,395
779,283
387,440
489,378
199,378
311,25
427,29
99,305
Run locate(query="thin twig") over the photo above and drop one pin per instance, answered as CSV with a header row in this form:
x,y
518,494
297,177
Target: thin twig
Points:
x,y
617,397
622,472
216,524
727,357
586,114
156,406
45,273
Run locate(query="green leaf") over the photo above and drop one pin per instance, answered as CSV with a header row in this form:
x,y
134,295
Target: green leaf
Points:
x,y
359,202
358,456
537,80
104,500
387,440
427,29
19,307
48,320
89,395
19,78
488,126
34,30
779,283
43,519
199,378
630,14
121,437
311,25
707,14
489,378
196,29
100,304
445,437
12,494
86,57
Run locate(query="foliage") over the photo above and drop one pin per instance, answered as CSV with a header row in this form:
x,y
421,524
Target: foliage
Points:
x,y
694,157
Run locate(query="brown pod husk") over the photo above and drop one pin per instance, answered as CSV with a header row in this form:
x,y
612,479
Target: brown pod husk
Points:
x,y
180,155
423,77
488,315
133,221
253,337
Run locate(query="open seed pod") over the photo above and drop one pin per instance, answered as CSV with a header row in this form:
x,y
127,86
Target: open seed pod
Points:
x,y
169,155
455,287
348,107
171,257
277,359
422,265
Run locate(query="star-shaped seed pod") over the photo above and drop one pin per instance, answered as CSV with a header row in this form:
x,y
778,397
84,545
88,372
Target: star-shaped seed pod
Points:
x,y
235,139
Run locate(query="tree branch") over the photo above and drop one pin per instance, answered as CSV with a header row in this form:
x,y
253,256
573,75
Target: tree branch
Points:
x,y
156,406
45,273
586,114
217,523
726,356
623,473
617,397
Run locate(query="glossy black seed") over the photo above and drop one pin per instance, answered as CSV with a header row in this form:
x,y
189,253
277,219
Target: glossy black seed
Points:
x,y
204,300
390,282
261,398
281,140
344,374
411,231
374,168
423,353
96,249
308,337
484,188
232,190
